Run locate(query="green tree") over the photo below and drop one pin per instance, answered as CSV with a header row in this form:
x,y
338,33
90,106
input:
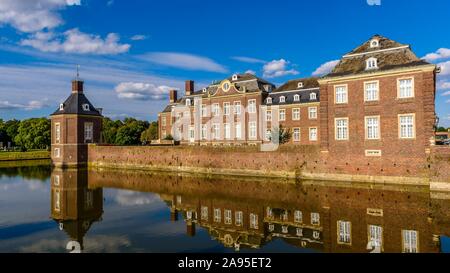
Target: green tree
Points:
x,y
151,133
130,133
33,134
110,128
282,134
442,129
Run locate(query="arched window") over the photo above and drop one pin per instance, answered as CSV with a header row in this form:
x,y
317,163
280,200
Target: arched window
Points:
x,y
297,97
371,63
313,96
188,102
269,100
282,99
85,107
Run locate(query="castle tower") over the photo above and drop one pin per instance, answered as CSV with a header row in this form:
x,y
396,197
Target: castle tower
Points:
x,y
75,124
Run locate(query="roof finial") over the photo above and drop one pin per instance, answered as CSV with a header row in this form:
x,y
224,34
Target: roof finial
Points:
x,y
78,72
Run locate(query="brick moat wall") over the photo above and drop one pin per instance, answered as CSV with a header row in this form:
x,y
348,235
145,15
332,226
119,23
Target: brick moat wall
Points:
x,y
292,161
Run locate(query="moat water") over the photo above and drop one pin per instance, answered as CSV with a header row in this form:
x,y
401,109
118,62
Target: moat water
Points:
x,y
45,210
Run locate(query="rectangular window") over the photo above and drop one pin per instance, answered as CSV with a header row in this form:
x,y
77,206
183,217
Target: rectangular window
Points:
x,y
164,134
282,114
204,131
57,200
215,109
238,218
228,217
373,127
227,130
315,219
252,130
371,91
226,108
298,216
88,199
376,235
312,112
57,153
217,216
253,221
58,132
268,115
296,114
237,107
216,131
252,106
163,121
407,127
268,135
204,111
313,134
340,94
88,131
405,88
341,128
191,133
296,135
410,241
204,213
344,232
238,130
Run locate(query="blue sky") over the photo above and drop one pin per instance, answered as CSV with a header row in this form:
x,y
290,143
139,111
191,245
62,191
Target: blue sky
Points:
x,y
132,52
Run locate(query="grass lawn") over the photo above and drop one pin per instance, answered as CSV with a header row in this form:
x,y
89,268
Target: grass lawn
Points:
x,y
8,156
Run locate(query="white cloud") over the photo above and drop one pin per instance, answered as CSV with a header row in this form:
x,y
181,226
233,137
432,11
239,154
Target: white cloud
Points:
x,y
250,72
76,42
446,93
32,105
131,198
141,91
184,61
278,68
248,60
139,37
33,15
325,68
445,68
441,53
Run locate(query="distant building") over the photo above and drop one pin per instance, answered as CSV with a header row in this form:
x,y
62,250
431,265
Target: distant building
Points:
x,y
379,100
75,124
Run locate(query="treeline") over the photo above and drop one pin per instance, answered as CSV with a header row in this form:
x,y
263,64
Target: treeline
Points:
x,y
35,133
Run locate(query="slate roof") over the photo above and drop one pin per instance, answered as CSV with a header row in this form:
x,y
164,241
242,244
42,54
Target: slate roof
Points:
x,y
74,105
388,54
293,84
289,97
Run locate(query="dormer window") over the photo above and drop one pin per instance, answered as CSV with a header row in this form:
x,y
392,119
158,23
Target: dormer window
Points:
x,y
204,90
269,100
297,97
188,102
85,107
313,96
371,63
374,43
235,77
61,107
300,85
282,99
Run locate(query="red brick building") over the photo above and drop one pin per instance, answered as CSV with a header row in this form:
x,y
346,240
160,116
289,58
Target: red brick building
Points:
x,y
378,101
74,125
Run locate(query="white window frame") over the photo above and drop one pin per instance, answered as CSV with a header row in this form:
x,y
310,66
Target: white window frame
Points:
x,y
238,130
312,96
337,135
216,131
371,63
313,136
282,115
344,232
367,89
85,107
57,152
400,135
237,108
204,213
254,221
282,99
296,97
88,131
315,219
227,131
268,115
296,111
268,135
312,112
191,133
204,132
228,217
269,100
238,218
296,132
298,216
58,132
410,241
204,111
252,106
215,109
375,234
226,108
217,216
369,127
188,102
399,88
252,130
343,98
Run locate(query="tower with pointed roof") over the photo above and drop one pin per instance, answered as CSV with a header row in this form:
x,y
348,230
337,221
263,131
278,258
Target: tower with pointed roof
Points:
x,y
75,124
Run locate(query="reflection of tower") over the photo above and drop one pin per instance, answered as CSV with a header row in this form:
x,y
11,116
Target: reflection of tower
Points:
x,y
73,205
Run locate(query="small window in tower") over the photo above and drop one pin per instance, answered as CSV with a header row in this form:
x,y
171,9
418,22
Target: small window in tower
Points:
x,y
300,85
85,107
61,107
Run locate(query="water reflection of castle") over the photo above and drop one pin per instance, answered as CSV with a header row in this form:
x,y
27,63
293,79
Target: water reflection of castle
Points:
x,y
74,206
251,213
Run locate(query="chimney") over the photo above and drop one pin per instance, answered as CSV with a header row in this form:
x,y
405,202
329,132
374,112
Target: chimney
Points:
x,y
189,87
173,96
77,86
